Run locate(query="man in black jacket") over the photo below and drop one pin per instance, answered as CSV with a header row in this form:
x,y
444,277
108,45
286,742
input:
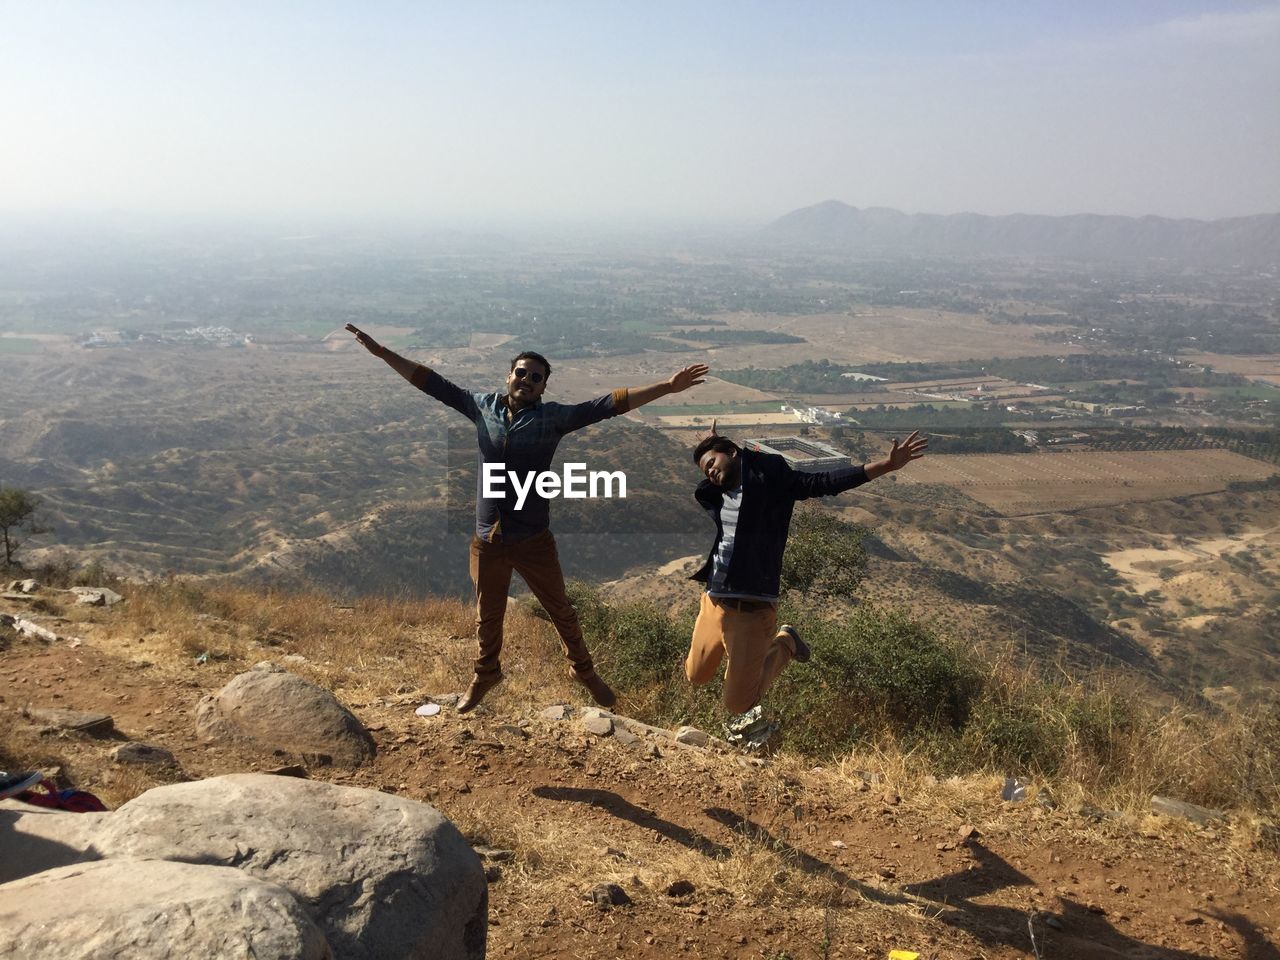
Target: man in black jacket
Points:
x,y
750,496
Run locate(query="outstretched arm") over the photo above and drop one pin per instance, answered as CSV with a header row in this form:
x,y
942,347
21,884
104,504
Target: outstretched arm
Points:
x,y
804,485
580,415
899,455
425,379
690,376
401,365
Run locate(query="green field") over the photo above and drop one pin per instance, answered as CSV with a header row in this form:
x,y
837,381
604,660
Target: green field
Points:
x,y
19,345
696,409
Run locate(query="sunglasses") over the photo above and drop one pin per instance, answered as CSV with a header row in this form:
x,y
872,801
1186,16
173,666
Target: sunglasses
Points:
x,y
533,375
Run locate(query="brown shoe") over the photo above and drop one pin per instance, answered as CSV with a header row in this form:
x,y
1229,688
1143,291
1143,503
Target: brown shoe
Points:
x,y
598,689
480,685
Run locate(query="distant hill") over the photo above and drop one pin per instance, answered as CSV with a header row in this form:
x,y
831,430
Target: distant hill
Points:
x,y
880,230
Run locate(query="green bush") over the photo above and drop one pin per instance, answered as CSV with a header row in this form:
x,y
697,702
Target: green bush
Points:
x,y
824,557
878,676
874,673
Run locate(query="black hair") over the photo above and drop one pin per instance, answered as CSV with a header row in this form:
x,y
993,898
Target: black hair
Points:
x,y
714,442
530,355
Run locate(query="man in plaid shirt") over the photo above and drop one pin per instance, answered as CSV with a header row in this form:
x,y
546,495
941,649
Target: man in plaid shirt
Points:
x,y
519,431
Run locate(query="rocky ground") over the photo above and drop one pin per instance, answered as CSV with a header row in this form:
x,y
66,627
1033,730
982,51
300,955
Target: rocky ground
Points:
x,y
606,845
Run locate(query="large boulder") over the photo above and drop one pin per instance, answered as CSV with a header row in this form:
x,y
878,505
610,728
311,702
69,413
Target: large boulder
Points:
x,y
280,710
382,876
36,838
152,910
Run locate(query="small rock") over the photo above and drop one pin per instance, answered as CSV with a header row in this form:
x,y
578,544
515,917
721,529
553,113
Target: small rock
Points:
x,y
600,726
1053,922
680,888
510,729
35,631
608,895
89,723
613,852
891,798
886,873
495,854
134,752
492,873
652,752
692,736
96,596
944,846
624,736
1187,811
25,586
839,844
968,832
556,712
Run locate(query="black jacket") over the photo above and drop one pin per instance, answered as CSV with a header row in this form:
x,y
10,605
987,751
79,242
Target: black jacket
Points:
x,y
770,489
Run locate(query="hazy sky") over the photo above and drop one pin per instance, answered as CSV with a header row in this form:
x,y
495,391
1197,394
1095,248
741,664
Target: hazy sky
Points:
x,y
474,112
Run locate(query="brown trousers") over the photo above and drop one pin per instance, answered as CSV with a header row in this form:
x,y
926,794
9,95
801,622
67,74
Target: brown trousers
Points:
x,y
748,634
536,560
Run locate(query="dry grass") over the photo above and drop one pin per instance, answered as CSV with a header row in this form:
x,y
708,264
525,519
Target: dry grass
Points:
x,y
365,650
1116,749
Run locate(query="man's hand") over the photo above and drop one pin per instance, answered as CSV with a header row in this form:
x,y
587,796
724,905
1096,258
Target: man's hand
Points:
x,y
688,377
899,456
366,341
913,449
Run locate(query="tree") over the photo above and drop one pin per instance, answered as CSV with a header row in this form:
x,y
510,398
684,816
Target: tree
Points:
x,y
17,512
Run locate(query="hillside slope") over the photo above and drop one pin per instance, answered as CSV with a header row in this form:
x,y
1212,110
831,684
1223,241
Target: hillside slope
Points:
x,y
780,858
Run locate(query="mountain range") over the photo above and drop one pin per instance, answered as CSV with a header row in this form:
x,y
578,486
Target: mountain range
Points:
x,y
1251,241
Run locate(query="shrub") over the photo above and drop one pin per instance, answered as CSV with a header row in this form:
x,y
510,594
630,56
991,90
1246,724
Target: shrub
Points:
x,y
824,556
875,673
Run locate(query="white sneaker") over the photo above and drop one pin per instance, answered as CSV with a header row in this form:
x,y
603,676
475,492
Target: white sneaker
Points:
x,y
750,730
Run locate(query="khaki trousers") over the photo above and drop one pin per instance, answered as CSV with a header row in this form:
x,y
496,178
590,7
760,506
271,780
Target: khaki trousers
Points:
x,y
536,560
746,634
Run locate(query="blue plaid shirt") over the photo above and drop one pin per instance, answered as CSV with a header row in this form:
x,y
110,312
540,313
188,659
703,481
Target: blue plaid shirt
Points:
x,y
524,441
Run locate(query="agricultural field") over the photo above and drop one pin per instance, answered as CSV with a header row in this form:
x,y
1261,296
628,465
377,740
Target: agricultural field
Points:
x,y
1019,484
1262,367
874,337
731,421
